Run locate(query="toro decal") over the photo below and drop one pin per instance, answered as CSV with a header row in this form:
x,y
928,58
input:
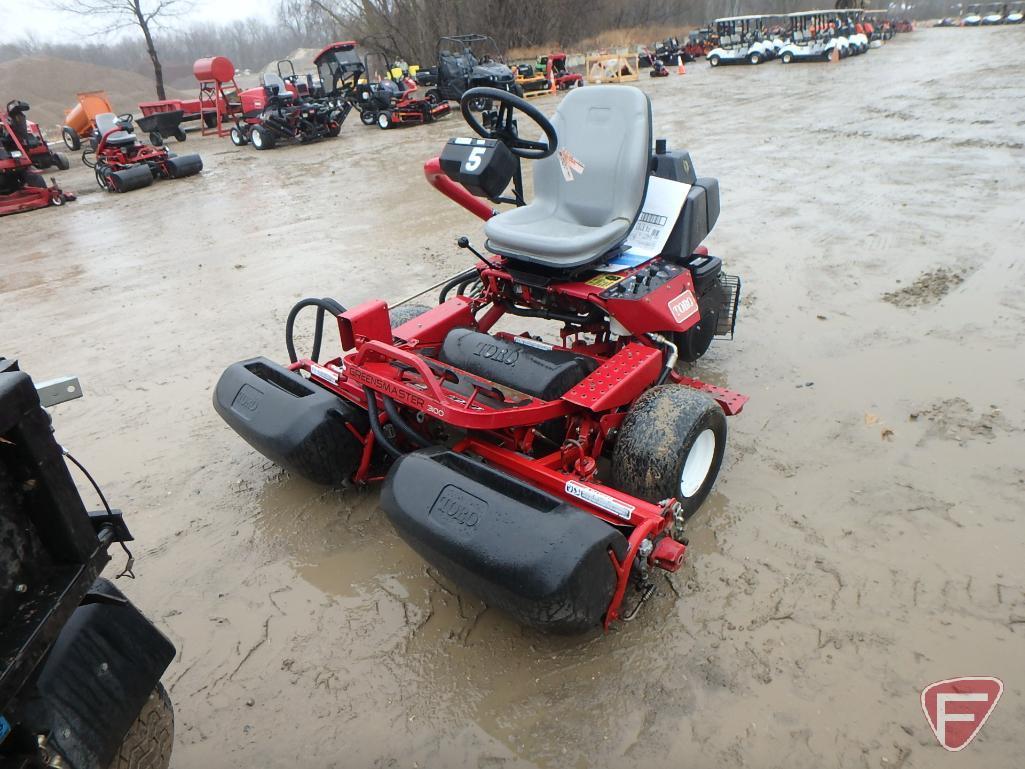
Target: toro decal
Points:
x,y
683,306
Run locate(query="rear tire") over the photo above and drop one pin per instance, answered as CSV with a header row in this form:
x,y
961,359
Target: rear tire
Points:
x,y
61,161
433,97
150,739
180,135
156,139
671,444
754,58
210,119
367,117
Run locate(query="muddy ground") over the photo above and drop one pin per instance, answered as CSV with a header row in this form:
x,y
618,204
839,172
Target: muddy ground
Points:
x,y
865,537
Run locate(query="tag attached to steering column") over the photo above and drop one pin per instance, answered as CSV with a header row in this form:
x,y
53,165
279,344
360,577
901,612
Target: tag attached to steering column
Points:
x,y
570,165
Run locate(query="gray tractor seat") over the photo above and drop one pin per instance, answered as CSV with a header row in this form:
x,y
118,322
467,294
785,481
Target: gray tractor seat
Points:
x,y
107,121
572,223
275,87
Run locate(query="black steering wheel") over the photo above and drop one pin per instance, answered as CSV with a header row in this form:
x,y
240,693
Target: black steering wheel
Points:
x,y
502,126
125,120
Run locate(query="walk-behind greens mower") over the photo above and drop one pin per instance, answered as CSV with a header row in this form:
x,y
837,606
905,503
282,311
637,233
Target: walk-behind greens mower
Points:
x,y
547,478
123,163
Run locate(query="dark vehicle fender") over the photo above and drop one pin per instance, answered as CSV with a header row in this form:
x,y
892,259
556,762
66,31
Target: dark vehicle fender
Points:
x,y
96,678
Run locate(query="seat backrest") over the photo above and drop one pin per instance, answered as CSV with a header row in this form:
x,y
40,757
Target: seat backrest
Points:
x,y
107,121
272,81
606,130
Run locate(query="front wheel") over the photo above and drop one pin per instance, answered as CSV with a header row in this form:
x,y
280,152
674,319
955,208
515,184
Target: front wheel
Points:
x,y
713,60
787,57
238,137
384,120
433,97
367,117
71,139
149,740
670,445
261,138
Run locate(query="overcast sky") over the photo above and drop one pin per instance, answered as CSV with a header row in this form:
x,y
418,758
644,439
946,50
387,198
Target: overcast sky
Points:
x,y
20,17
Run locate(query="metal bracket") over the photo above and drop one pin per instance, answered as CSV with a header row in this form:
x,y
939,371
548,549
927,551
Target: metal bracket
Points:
x,y
60,390
113,519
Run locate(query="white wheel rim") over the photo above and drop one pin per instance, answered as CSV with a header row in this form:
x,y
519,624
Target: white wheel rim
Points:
x,y
699,462
383,120
257,139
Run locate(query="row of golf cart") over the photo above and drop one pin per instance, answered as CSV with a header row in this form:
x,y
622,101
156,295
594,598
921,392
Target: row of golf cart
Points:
x,y
986,15
804,36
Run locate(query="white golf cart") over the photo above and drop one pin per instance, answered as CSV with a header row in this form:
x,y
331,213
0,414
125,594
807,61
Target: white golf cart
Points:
x,y
972,16
993,14
740,41
1015,14
810,38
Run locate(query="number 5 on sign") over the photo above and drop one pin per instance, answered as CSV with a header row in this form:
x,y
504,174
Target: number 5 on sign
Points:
x,y
473,161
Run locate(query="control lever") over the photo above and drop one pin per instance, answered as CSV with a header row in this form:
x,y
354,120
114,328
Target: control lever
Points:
x,y
464,242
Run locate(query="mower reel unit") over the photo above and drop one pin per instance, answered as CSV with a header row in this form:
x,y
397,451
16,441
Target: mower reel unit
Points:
x,y
23,151
549,478
123,163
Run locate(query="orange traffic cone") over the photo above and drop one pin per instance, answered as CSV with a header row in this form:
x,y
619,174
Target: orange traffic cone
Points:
x,y
551,84
681,70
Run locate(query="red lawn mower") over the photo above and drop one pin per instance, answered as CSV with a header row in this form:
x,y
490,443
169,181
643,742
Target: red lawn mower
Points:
x,y
549,478
393,102
123,163
281,113
555,67
23,151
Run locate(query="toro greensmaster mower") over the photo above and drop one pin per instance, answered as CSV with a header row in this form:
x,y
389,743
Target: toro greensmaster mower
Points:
x,y
122,163
549,477
282,114
23,152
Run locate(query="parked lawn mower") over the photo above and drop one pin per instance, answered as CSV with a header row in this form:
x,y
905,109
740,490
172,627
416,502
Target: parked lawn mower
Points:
x,y
531,82
470,61
122,163
31,138
393,102
22,188
554,65
658,69
284,116
549,478
80,666
700,42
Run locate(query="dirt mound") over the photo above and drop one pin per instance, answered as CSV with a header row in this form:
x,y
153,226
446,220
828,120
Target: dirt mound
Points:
x,y
49,86
302,58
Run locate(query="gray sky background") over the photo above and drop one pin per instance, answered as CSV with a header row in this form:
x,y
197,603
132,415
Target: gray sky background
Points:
x,y
21,17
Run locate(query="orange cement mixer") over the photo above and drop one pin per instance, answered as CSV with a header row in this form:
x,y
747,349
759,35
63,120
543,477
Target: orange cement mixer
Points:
x,y
80,121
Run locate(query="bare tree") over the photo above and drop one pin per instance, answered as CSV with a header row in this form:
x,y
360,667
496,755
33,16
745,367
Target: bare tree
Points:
x,y
116,15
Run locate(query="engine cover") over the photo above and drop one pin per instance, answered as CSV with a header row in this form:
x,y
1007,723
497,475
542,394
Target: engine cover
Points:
x,y
543,373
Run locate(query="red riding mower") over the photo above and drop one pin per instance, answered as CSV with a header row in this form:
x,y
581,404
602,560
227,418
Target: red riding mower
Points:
x,y
547,478
392,102
123,163
555,67
284,115
22,151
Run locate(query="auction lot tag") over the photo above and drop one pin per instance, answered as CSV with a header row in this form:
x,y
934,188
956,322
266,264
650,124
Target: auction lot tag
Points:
x,y
570,165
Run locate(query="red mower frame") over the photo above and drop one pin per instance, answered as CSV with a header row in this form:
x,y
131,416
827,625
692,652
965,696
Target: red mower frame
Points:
x,y
22,188
594,408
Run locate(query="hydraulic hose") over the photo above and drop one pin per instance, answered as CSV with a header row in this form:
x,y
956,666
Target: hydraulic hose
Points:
x,y
401,425
671,358
458,280
323,305
375,424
